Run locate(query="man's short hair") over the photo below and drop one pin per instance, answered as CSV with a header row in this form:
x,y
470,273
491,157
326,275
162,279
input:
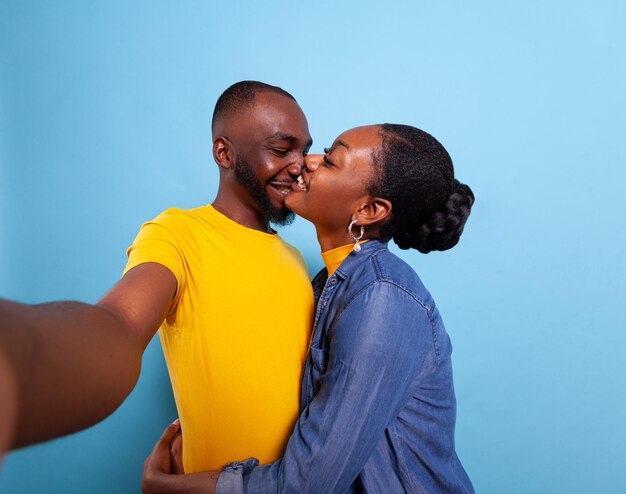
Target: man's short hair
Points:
x,y
241,95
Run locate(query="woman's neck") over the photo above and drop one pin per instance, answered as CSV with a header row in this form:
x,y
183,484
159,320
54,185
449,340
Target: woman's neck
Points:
x,y
329,241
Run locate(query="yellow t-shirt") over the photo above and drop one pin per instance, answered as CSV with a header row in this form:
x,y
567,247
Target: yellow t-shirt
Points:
x,y
236,335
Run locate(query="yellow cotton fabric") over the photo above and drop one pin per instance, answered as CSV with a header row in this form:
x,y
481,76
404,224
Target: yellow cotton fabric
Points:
x,y
334,257
236,335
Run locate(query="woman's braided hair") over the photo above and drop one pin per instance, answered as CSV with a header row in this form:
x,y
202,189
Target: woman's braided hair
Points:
x,y
415,173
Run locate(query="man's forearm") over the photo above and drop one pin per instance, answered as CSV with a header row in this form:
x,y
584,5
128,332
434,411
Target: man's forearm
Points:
x,y
8,403
70,365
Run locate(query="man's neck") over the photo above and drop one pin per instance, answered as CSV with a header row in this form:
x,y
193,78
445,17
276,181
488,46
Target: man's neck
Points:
x,y
242,214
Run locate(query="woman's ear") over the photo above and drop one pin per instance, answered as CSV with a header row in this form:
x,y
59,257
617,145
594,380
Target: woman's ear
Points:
x,y
223,152
373,211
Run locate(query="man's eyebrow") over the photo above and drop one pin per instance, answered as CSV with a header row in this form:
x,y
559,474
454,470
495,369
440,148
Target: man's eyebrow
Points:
x,y
279,136
341,143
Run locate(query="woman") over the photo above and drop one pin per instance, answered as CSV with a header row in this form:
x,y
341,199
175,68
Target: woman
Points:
x,y
378,405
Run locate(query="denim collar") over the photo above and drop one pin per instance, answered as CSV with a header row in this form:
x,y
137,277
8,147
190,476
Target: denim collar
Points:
x,y
354,259
348,266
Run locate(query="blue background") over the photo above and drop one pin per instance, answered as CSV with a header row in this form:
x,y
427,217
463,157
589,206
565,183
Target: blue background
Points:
x,y
105,114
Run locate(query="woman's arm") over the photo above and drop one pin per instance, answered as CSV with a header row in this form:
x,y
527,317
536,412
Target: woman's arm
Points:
x,y
379,344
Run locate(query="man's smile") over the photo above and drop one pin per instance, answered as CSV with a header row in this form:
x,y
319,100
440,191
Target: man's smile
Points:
x,y
300,185
282,186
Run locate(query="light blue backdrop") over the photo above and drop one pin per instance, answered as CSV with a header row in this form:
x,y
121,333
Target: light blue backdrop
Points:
x,y
104,122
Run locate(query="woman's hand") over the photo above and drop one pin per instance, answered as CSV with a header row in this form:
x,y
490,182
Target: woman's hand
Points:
x,y
156,468
156,477
176,453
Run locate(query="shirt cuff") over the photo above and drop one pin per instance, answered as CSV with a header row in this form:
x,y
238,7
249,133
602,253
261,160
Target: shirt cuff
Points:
x,y
230,480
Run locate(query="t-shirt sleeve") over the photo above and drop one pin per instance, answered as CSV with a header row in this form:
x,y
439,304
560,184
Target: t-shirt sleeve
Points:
x,y
157,242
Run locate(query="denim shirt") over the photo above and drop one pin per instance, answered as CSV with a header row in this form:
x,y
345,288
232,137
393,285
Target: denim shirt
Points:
x,y
378,405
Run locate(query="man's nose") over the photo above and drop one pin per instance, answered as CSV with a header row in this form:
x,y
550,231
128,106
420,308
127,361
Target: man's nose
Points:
x,y
295,169
312,161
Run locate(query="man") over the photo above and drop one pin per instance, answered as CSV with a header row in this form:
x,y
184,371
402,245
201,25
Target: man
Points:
x,y
233,302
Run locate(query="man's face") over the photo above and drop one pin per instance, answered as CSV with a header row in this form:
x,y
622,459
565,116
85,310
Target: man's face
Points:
x,y
271,143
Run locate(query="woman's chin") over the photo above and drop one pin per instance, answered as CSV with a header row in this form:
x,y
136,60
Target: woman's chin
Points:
x,y
294,202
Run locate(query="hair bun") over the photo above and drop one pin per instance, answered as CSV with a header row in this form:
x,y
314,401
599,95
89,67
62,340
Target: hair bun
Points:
x,y
443,229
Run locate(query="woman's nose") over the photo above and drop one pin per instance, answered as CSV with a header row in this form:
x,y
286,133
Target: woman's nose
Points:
x,y
312,161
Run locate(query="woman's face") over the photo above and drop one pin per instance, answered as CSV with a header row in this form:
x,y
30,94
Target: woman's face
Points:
x,y
334,185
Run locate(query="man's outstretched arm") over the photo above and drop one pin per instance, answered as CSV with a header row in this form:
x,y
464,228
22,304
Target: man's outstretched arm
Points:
x,y
65,366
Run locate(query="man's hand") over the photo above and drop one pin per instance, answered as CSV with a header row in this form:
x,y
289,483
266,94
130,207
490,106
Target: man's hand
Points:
x,y
156,478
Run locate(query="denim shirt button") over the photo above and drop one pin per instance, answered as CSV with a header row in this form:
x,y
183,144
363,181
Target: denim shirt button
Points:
x,y
325,302
333,281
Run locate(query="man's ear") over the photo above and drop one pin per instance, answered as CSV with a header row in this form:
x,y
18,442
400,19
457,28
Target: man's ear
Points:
x,y
223,152
375,210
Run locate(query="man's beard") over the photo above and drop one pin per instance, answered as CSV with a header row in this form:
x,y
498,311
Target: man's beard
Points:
x,y
246,177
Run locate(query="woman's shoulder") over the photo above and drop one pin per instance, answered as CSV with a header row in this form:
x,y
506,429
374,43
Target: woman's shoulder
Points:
x,y
389,268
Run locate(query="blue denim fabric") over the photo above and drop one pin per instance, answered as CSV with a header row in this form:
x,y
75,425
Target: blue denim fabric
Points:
x,y
378,405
